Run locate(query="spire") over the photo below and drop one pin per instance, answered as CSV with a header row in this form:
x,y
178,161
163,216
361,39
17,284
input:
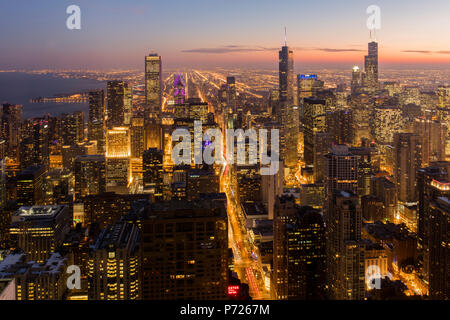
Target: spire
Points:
x,y
285,37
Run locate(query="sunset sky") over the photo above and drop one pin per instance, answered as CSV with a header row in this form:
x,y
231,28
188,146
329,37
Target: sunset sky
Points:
x,y
223,33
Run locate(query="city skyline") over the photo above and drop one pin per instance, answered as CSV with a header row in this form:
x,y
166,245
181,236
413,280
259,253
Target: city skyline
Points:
x,y
323,34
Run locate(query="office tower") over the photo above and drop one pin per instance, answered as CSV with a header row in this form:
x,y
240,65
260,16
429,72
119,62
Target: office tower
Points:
x,y
407,160
307,86
40,230
431,184
179,87
386,121
90,175
38,131
97,106
154,136
72,128
249,183
298,252
97,133
443,93
114,264
368,164
120,96
29,186
370,79
107,208
433,134
33,280
137,136
385,191
184,251
291,130
341,172
286,75
322,145
200,181
345,251
11,122
271,188
97,114
356,80
153,87
118,159
314,122
231,95
153,172
438,259
340,126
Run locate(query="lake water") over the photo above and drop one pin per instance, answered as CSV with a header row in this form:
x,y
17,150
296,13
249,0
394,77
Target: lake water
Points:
x,y
19,88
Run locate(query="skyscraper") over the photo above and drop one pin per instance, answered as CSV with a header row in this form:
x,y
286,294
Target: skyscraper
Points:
x,y
179,86
90,175
407,160
114,264
184,251
231,94
286,75
119,103
438,262
314,122
97,114
345,251
39,230
153,172
299,252
118,159
153,86
370,77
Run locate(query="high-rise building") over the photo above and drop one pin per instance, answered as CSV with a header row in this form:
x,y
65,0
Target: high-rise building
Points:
x,y
307,86
345,250
119,103
314,122
340,126
114,264
153,86
11,122
40,230
407,160
184,251
107,208
118,153
137,136
438,242
231,95
153,172
90,175
179,86
30,186
356,80
33,280
299,261
97,115
370,77
286,75
72,128
433,135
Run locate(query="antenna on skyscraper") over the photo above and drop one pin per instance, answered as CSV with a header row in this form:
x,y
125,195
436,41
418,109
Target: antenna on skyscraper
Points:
x,y
285,37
